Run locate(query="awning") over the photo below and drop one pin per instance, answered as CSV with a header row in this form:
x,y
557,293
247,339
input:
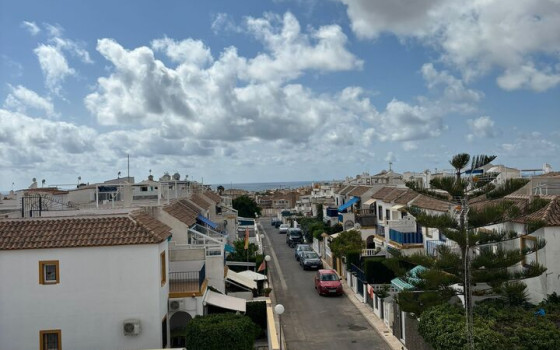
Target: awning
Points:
x,y
207,221
241,280
225,301
397,207
348,204
369,202
255,276
401,285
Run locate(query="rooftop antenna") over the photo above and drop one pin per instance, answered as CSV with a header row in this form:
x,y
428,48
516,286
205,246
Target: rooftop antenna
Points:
x,y
119,175
127,167
390,163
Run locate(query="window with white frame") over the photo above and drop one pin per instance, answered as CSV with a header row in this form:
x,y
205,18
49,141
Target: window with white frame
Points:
x,y
49,272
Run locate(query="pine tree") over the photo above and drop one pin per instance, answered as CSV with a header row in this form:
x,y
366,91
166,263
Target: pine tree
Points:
x,y
480,259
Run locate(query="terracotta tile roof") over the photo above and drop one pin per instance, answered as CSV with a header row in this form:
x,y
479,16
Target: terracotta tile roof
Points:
x,y
381,193
550,214
182,212
50,190
213,196
199,201
406,197
395,194
69,232
191,206
429,203
519,201
346,189
359,190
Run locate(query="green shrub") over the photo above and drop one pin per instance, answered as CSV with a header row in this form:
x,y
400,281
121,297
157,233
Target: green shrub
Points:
x,y
256,311
219,331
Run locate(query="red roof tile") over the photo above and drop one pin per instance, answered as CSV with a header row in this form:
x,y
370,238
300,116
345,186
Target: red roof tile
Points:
x,y
359,190
182,212
199,201
41,233
429,203
550,214
213,196
406,197
382,192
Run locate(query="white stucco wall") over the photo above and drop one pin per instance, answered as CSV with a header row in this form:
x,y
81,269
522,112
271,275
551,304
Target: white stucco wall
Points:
x,y
549,282
99,288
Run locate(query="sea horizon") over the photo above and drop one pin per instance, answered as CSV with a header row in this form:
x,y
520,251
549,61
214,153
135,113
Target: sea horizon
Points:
x,y
263,186
253,186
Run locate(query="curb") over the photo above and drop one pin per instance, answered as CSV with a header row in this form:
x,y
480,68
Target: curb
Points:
x,y
375,322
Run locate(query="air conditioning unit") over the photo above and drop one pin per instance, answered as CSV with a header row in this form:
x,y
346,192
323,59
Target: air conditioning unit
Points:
x,y
175,305
131,327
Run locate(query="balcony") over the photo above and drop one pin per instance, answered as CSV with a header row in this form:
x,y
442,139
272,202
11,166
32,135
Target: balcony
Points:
x,y
187,283
366,217
410,241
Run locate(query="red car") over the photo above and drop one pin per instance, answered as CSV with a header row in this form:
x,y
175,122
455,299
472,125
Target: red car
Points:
x,y
327,282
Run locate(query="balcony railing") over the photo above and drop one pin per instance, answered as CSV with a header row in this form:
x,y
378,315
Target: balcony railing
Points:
x,y
186,283
405,238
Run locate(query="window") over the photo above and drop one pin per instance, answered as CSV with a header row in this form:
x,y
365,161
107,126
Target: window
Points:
x,y
50,340
162,264
387,214
49,272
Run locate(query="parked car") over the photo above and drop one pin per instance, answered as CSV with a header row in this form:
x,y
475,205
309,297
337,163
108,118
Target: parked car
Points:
x,y
294,236
310,260
327,282
300,248
275,222
284,228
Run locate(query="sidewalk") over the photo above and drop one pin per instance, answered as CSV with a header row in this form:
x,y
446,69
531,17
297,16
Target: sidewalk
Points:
x,y
377,324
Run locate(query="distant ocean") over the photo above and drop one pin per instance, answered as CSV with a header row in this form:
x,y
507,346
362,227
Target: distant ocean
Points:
x,y
263,186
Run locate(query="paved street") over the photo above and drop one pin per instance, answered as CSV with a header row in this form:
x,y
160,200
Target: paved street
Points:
x,y
312,321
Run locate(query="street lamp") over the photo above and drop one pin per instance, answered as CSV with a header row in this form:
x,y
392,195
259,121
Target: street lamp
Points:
x,y
279,309
267,258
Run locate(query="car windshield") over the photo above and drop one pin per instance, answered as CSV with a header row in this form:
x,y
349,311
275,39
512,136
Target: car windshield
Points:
x,y
329,277
295,234
303,248
311,255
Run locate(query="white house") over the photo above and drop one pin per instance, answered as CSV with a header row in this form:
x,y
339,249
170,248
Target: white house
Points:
x,y
89,282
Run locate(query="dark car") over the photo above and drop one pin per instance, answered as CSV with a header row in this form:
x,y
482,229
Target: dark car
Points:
x,y
327,282
294,236
300,248
310,260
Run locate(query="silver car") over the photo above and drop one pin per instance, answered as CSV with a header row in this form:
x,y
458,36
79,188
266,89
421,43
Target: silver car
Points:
x,y
310,260
284,228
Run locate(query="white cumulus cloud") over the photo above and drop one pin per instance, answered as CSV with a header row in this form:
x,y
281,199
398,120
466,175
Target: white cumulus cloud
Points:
x,y
54,66
521,39
21,99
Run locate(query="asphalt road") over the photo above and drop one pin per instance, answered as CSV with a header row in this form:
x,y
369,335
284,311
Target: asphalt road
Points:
x,y
311,321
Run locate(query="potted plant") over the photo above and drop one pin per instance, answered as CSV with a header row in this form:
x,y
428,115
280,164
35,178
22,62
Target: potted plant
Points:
x,y
266,291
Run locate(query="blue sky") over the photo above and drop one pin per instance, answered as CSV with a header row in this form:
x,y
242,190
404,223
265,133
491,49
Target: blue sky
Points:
x,y
259,91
